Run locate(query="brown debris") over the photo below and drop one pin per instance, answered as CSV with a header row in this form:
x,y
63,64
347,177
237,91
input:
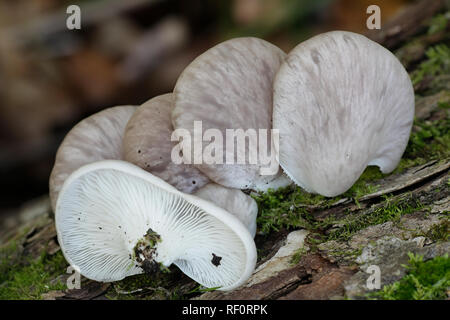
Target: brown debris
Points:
x,y
89,290
329,285
40,240
408,23
427,107
269,289
92,75
314,277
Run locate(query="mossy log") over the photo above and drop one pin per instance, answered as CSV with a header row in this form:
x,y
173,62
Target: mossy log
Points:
x,y
309,247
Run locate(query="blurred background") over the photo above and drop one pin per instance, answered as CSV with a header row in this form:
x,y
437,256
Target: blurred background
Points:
x,y
125,53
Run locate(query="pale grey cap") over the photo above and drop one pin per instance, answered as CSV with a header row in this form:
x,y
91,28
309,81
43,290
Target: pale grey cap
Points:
x,y
98,137
341,102
147,144
230,87
234,201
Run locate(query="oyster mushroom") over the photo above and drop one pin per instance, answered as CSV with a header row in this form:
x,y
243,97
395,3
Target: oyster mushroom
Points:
x,y
147,144
114,219
341,102
234,201
98,137
229,87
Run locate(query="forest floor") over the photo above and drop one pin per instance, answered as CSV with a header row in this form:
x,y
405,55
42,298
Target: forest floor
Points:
x,y
309,246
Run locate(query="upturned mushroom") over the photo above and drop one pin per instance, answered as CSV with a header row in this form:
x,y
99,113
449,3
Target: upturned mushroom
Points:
x,y
147,144
234,201
341,102
114,219
98,137
229,89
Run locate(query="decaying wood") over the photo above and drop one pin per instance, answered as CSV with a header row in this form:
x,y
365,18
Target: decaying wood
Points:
x,y
314,276
298,282
321,273
408,23
411,177
413,182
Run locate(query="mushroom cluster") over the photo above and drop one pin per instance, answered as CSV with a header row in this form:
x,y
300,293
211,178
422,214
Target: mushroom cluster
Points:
x,y
335,104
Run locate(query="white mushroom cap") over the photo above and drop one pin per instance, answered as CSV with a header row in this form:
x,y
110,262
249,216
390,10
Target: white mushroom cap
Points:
x,y
341,102
147,144
234,201
98,137
105,210
230,87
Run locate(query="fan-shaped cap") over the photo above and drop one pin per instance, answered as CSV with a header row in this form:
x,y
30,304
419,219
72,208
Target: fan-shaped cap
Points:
x,y
114,219
230,87
147,144
234,201
341,102
98,137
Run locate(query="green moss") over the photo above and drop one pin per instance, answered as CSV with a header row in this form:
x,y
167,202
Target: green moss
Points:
x,y
365,184
444,104
10,253
136,282
439,23
425,280
279,209
390,211
429,140
437,63
31,280
298,255
8,259
147,286
344,254
439,232
288,207
24,278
